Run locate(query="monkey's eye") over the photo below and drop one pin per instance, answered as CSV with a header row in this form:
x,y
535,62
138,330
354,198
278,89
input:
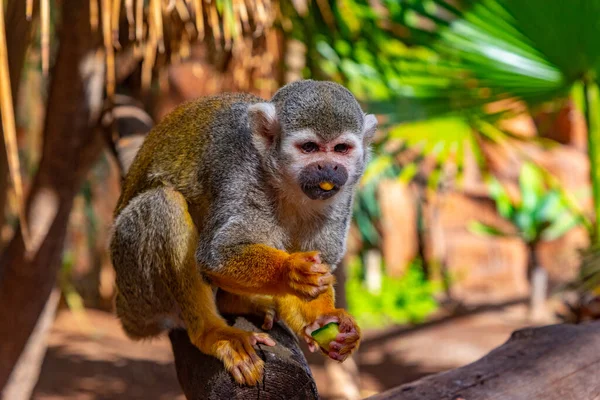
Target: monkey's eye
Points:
x,y
341,148
309,147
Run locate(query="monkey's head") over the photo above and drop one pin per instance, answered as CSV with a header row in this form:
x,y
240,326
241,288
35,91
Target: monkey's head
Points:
x,y
312,136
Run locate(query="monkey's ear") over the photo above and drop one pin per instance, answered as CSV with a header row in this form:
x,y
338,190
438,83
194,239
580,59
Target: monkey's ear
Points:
x,y
262,118
370,128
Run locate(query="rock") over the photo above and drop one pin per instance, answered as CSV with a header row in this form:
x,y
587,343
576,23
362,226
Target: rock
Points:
x,y
561,257
565,125
481,268
486,269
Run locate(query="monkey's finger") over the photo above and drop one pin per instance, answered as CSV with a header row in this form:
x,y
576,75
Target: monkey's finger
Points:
x,y
335,346
313,279
315,270
313,256
346,351
320,269
347,337
326,280
312,346
324,320
307,256
309,329
249,375
237,375
310,281
347,323
343,348
254,358
262,338
337,356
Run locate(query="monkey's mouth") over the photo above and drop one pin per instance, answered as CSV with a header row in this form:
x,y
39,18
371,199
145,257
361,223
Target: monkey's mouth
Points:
x,y
316,192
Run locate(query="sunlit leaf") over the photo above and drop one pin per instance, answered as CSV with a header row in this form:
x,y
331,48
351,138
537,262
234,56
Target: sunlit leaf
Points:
x,y
550,207
503,202
560,226
531,183
479,228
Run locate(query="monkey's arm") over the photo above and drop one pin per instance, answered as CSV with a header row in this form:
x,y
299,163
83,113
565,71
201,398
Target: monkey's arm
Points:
x,y
304,317
240,260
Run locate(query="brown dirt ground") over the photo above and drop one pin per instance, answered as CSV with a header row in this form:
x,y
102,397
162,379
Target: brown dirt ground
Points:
x,y
94,360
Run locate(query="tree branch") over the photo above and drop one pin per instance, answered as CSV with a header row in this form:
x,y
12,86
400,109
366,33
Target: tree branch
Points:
x,y
554,362
287,375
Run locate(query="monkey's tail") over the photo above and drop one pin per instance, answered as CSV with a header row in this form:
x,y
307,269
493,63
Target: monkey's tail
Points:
x,y
125,125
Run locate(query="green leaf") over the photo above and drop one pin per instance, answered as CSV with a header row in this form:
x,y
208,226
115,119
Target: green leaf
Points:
x,y
531,182
524,221
549,207
408,173
500,196
481,229
560,226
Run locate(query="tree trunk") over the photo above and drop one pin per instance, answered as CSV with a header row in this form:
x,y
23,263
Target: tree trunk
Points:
x,y
203,377
539,287
18,34
554,362
70,148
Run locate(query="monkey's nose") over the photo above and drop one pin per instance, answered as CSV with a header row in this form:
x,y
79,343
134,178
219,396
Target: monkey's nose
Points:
x,y
320,167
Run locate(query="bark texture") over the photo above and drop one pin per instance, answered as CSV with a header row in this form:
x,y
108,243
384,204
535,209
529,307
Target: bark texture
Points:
x,y
554,362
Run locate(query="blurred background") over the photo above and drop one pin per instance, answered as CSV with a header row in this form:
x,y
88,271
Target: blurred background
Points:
x,y
477,215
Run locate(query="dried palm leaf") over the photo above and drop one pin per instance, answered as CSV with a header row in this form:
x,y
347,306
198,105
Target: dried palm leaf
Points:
x,y
10,133
45,42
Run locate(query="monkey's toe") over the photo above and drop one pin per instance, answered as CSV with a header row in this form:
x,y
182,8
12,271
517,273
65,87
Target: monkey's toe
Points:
x,y
236,351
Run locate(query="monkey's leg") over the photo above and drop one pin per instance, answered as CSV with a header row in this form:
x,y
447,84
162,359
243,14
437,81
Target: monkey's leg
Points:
x,y
153,249
304,317
261,305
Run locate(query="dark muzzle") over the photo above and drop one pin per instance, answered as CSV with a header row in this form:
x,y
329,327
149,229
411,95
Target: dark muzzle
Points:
x,y
320,181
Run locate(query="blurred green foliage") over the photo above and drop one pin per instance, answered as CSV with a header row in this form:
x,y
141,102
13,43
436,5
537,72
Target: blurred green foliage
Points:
x,y
474,61
409,299
540,214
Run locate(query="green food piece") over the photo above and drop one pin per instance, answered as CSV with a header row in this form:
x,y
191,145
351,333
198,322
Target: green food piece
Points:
x,y
326,334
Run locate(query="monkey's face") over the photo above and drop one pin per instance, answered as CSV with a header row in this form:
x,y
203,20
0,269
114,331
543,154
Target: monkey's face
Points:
x,y
313,137
321,168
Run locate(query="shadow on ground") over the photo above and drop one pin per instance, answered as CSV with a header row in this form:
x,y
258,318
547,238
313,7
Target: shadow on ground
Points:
x,y
68,376
99,362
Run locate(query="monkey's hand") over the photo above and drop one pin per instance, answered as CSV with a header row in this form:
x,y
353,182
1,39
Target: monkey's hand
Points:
x,y
305,276
345,343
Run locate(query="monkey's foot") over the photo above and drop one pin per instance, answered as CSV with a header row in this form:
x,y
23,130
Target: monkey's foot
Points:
x,y
345,343
307,276
235,348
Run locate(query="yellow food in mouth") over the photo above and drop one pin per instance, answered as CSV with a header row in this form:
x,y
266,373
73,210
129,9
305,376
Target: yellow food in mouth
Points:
x,y
326,185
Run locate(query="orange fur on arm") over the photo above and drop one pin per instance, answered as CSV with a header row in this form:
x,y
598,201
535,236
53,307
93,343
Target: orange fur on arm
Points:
x,y
252,269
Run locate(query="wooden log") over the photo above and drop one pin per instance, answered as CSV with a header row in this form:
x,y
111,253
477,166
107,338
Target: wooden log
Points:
x,y
287,375
554,362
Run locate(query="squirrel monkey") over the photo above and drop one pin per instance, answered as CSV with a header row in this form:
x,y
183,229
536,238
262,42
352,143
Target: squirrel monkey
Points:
x,y
249,196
